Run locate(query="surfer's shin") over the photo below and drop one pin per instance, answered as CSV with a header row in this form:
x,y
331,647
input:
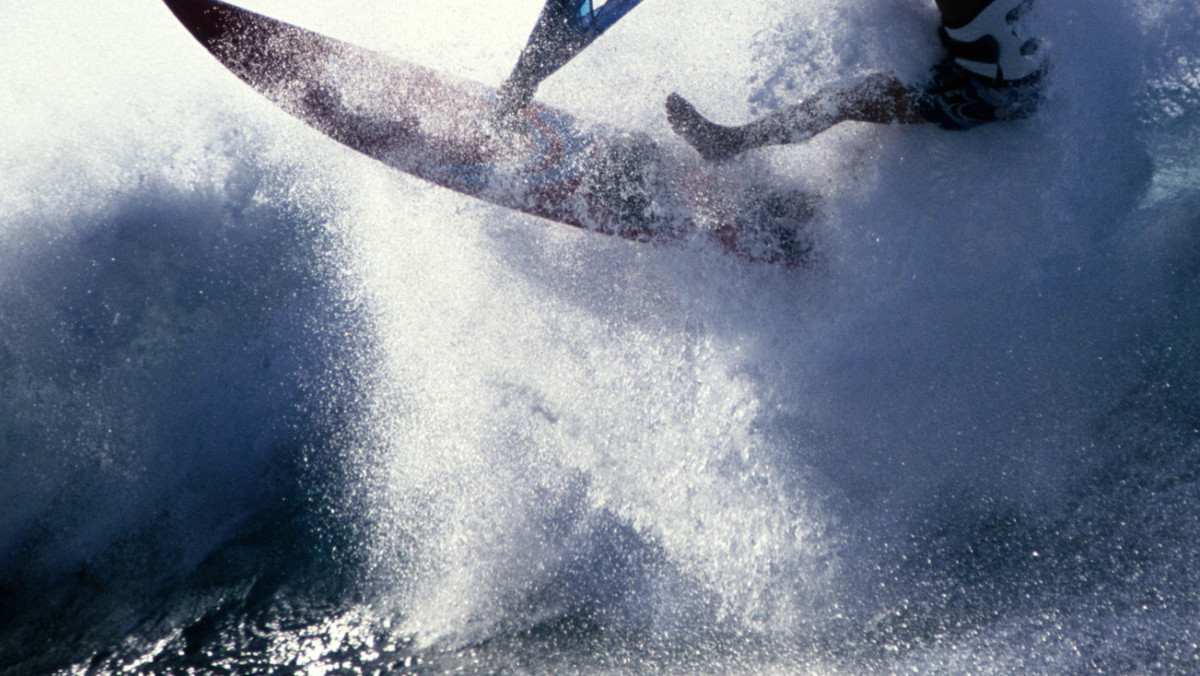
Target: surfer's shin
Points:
x,y
794,124
879,98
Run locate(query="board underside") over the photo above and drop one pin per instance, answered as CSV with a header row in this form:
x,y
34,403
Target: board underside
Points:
x,y
545,163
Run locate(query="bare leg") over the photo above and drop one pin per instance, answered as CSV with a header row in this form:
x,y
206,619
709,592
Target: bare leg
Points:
x,y
552,43
878,98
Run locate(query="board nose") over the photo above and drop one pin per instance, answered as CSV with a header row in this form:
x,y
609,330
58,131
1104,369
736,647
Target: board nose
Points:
x,y
208,20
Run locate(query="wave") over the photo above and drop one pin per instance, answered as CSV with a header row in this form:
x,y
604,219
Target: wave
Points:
x,y
266,405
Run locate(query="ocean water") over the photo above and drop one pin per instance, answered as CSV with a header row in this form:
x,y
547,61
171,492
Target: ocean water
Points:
x,y
267,406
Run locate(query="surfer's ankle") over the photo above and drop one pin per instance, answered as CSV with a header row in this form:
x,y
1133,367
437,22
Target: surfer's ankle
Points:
x,y
515,94
505,124
714,142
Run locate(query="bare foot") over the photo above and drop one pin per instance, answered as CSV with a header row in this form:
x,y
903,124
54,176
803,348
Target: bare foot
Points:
x,y
713,141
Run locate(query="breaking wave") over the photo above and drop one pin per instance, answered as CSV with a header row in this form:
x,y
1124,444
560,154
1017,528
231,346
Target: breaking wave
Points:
x,y
268,406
